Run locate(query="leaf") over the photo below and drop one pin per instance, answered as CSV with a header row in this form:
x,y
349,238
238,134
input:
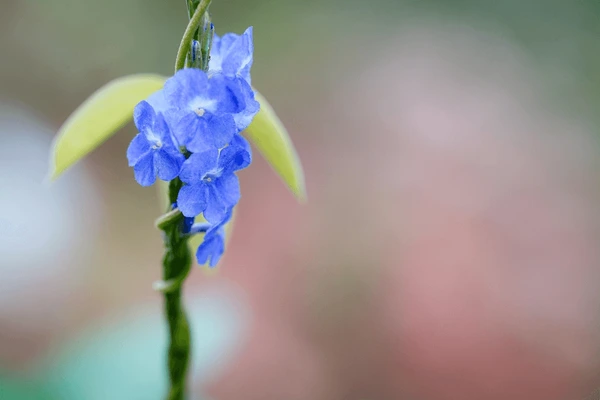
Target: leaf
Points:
x,y
272,140
98,118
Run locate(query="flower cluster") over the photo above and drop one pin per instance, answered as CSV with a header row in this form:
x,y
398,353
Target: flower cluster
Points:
x,y
191,129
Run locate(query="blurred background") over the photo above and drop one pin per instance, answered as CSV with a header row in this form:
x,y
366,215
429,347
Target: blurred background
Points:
x,y
449,248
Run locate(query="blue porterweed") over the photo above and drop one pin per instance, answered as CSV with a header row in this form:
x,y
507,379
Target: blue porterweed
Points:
x,y
189,135
200,115
153,152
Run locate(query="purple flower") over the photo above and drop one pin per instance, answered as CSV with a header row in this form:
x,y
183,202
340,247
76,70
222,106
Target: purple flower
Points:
x,y
152,152
211,186
206,113
232,55
212,247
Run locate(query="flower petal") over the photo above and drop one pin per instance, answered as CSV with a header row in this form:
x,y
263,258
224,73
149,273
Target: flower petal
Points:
x,y
138,148
161,129
236,156
186,85
167,164
143,117
211,250
228,93
219,50
188,223
216,209
245,116
220,128
144,170
225,220
200,142
232,54
198,165
238,60
158,101
186,125
205,251
229,190
223,194
192,199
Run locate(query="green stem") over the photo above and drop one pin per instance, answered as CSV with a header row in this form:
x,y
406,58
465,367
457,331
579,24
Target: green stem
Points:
x,y
176,266
188,35
177,260
167,219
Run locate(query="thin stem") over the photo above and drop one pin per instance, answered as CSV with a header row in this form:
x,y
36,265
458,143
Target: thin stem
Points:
x,y
176,266
189,33
177,260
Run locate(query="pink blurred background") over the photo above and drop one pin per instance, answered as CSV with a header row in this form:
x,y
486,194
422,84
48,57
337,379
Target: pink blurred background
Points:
x,y
449,247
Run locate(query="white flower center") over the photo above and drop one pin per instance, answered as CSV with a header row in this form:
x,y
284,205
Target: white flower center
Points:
x,y
212,175
154,139
157,145
201,105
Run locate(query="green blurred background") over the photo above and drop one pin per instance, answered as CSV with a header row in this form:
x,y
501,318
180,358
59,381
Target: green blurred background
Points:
x,y
393,106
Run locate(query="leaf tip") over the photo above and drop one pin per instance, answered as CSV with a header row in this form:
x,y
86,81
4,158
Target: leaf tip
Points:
x,y
49,179
270,137
53,171
300,190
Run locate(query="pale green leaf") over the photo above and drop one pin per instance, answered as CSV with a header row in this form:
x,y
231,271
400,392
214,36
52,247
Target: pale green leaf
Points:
x,y
99,117
272,140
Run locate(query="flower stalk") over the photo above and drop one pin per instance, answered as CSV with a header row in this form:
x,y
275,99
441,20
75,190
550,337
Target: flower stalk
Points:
x,y
190,32
177,260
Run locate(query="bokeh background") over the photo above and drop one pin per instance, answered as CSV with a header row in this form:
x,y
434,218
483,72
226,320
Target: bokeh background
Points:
x,y
449,249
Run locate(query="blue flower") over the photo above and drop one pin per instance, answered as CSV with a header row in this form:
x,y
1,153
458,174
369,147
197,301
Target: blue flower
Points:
x,y
152,151
211,186
241,154
245,117
158,101
232,55
212,247
188,224
206,113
